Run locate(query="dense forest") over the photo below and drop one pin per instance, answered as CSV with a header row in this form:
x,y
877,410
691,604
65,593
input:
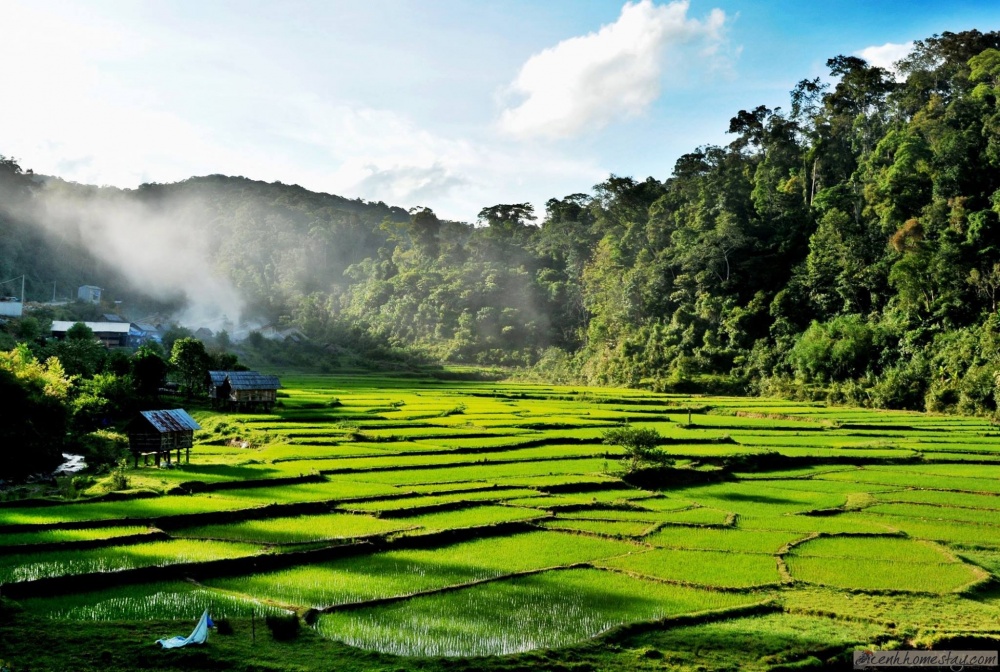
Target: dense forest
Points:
x,y
847,248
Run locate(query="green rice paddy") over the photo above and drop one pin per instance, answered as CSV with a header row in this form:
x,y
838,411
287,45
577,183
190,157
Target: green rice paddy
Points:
x,y
540,611
489,518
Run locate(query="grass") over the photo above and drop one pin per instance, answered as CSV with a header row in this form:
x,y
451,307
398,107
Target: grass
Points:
x,y
906,479
911,614
947,531
489,472
757,643
153,601
63,536
474,516
880,563
298,529
756,499
542,611
607,528
880,575
942,513
716,539
139,508
723,569
895,549
19,567
389,506
404,572
841,524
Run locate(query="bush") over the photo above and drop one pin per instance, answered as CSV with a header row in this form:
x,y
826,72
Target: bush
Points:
x,y
103,448
119,479
903,386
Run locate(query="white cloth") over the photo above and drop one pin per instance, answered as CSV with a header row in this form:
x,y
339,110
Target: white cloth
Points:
x,y
199,636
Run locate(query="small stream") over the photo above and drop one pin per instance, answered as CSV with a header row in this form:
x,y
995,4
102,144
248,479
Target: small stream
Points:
x,y
73,464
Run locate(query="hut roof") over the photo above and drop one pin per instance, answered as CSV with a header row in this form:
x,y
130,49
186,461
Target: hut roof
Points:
x,y
59,326
245,380
176,420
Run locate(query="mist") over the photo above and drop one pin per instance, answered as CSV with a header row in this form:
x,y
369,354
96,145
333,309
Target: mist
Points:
x,y
162,248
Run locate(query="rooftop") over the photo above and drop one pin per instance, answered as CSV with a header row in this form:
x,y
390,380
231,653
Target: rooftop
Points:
x,y
245,380
96,327
176,420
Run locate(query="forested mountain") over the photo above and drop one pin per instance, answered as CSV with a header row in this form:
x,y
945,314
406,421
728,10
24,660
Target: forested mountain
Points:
x,y
848,245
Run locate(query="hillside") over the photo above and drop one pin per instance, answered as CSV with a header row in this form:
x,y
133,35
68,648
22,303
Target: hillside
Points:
x,y
845,248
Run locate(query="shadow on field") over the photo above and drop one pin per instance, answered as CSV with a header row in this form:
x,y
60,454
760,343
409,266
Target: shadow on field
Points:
x,y
759,499
226,471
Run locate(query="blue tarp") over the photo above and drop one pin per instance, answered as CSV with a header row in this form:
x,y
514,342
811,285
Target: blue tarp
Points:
x,y
199,636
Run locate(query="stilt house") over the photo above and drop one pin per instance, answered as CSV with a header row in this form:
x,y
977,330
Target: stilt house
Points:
x,y
243,390
159,433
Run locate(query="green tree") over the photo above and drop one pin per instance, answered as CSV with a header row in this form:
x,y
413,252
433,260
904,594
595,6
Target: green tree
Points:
x,y
80,353
101,400
843,348
149,371
80,332
34,415
641,447
190,360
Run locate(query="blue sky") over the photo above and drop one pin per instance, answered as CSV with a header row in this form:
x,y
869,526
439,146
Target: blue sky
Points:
x,y
454,105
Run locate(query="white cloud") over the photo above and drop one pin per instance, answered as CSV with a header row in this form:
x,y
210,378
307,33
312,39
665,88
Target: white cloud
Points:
x,y
410,184
585,82
886,55
124,100
383,155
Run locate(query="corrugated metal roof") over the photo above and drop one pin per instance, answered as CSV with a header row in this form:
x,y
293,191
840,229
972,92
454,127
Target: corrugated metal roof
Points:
x,y
245,380
59,326
176,420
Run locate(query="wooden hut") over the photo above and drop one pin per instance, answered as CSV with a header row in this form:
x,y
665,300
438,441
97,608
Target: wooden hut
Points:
x,y
243,390
160,433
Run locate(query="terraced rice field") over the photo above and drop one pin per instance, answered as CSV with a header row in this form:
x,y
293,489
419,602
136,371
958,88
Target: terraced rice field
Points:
x,y
420,518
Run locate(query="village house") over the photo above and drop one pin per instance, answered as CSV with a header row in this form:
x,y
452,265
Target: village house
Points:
x,y
159,433
243,390
10,306
89,294
111,334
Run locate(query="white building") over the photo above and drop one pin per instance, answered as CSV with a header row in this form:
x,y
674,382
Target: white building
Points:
x,y
89,293
10,308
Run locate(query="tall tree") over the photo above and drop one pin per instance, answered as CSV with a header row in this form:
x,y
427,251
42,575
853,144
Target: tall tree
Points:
x,y
191,362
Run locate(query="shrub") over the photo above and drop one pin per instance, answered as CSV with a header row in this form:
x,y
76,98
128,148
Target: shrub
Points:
x,y
119,479
103,448
903,386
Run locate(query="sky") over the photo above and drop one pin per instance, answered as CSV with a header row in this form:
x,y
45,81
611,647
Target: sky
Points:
x,y
454,105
